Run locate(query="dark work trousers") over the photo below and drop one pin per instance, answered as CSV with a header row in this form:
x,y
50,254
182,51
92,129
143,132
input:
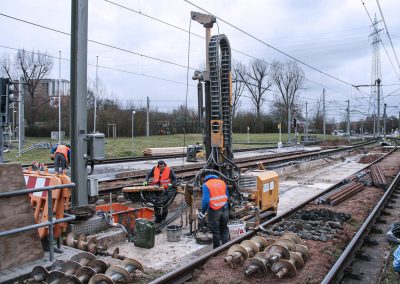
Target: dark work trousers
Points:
x,y
160,211
218,225
59,162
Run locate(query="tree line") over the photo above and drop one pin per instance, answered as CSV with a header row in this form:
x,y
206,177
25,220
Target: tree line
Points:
x,y
280,84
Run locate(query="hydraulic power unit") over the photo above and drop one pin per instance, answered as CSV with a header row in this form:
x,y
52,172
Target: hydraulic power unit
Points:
x,y
261,187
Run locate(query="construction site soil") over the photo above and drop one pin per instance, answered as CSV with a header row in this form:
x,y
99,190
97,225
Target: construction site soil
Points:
x,y
323,253
335,142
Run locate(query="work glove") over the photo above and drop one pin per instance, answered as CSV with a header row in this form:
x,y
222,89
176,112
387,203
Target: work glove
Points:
x,y
200,216
144,183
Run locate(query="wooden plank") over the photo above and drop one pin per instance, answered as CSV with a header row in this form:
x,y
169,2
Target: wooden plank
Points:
x,y
142,188
164,151
16,212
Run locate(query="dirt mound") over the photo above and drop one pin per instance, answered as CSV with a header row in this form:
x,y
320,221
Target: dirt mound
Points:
x,y
367,159
335,142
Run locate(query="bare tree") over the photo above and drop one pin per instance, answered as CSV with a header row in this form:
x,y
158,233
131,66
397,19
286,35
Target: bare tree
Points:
x,y
34,66
318,117
279,110
257,81
238,85
289,80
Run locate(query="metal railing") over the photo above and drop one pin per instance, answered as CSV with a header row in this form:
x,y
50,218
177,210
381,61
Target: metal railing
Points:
x,y
50,223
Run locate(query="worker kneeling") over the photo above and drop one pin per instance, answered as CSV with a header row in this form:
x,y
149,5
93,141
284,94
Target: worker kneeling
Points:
x,y
215,203
165,177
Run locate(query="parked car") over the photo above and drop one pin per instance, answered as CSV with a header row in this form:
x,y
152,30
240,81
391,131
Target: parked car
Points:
x,y
338,133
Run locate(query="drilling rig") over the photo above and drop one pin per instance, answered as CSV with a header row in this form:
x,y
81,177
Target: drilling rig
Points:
x,y
250,192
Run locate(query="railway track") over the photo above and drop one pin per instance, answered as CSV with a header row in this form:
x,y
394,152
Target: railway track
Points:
x,y
335,274
189,171
160,157
149,158
365,249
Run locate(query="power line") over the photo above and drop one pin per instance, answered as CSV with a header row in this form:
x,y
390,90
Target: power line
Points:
x,y
197,35
147,56
384,47
100,43
104,67
270,46
387,32
173,63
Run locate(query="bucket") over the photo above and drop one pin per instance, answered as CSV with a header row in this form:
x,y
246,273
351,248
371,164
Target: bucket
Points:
x,y
236,228
174,233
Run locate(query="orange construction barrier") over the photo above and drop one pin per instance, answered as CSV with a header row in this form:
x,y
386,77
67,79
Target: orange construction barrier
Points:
x,y
39,200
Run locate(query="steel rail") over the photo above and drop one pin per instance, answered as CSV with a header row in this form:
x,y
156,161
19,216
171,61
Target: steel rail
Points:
x,y
336,273
249,162
150,158
184,273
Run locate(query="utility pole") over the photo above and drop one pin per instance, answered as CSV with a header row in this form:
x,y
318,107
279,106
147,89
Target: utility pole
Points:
x,y
306,122
376,69
95,97
289,125
79,30
324,115
374,122
379,106
348,119
147,118
59,97
384,121
21,115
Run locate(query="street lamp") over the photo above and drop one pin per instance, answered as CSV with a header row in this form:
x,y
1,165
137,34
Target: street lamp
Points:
x,y
133,123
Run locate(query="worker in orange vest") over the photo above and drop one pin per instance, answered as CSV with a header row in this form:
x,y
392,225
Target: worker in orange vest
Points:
x,y
215,203
165,177
61,157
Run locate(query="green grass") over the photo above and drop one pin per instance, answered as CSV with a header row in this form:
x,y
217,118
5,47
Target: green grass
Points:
x,y
122,147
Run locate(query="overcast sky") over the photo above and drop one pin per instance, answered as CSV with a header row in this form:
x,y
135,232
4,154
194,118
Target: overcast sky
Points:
x,y
330,35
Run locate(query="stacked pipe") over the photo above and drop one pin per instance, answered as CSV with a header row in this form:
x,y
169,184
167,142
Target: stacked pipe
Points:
x,y
364,177
346,192
85,268
378,178
283,257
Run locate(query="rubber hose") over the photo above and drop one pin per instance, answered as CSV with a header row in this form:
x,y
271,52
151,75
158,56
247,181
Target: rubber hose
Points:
x,y
393,233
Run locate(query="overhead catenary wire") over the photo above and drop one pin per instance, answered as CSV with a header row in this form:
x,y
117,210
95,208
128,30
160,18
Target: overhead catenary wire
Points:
x,y
384,47
104,67
186,95
100,43
387,32
197,35
270,46
152,57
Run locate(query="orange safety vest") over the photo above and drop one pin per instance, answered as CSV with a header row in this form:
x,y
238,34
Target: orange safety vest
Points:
x,y
218,197
62,149
162,178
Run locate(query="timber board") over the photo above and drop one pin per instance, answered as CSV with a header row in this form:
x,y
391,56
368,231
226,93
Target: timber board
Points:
x,y
15,212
